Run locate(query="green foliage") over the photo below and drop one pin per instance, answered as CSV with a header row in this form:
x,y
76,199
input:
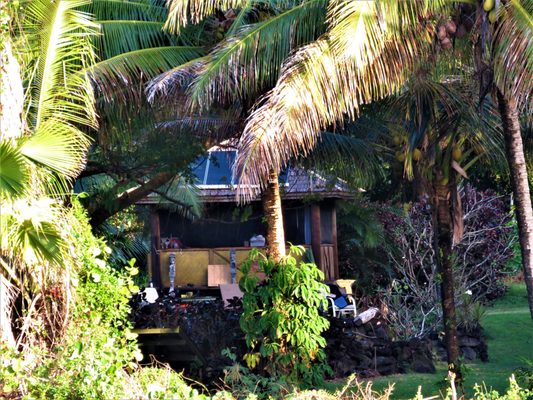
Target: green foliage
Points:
x,y
98,346
164,383
515,392
281,321
99,343
470,313
242,382
524,374
514,265
361,244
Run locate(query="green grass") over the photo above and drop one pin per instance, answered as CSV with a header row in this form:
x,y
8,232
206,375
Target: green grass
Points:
x,y
509,330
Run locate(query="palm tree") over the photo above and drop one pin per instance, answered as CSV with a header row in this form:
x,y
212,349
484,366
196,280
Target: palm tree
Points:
x,y
439,122
49,99
330,78
509,67
137,148
322,83
251,54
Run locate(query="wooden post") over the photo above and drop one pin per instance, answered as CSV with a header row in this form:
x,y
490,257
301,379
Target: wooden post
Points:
x,y
155,246
334,240
316,239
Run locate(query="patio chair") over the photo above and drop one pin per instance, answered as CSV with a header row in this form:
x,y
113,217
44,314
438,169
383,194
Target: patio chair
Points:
x,y
341,304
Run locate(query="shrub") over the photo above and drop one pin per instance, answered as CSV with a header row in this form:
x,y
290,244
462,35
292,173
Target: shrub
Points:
x,y
98,344
480,262
281,319
515,392
89,361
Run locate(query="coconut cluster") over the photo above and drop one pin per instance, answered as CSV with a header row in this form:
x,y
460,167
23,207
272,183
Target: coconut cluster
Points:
x,y
400,142
445,34
457,27
490,8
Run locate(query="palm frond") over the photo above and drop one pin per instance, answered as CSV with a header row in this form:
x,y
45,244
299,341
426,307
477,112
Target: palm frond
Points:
x,y
12,90
122,36
319,87
8,295
218,126
137,10
58,37
173,81
58,147
124,245
353,153
353,159
110,75
182,12
513,52
29,230
13,171
241,17
182,197
247,62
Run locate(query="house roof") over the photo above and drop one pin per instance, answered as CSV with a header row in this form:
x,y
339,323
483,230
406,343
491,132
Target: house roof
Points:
x,y
212,174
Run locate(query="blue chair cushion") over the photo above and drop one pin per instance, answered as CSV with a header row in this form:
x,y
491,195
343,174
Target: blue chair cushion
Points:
x,y
341,302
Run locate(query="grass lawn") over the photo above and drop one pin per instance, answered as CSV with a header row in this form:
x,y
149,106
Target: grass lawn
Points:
x,y
509,330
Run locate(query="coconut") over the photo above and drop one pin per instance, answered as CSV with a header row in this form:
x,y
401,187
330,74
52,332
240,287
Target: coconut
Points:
x,y
397,140
457,153
441,32
446,44
451,28
493,16
488,5
417,155
400,156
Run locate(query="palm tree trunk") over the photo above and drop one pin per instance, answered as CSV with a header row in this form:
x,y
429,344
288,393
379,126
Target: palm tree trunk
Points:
x,y
7,299
272,208
443,223
519,181
12,93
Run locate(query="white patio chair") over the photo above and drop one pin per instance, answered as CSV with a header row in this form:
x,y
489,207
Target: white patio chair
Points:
x,y
342,311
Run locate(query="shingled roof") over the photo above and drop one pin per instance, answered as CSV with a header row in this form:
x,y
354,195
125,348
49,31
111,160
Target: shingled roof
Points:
x,y
214,180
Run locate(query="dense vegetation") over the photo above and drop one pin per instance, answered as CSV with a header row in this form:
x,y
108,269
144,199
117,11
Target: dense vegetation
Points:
x,y
104,102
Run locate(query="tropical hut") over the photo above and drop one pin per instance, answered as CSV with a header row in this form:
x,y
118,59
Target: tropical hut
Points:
x,y
203,248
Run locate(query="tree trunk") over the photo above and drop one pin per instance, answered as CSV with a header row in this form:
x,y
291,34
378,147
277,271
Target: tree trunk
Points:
x,y
443,225
7,300
519,181
11,128
99,211
272,208
11,93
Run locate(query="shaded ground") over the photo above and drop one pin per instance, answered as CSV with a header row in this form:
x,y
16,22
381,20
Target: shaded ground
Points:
x,y
509,331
